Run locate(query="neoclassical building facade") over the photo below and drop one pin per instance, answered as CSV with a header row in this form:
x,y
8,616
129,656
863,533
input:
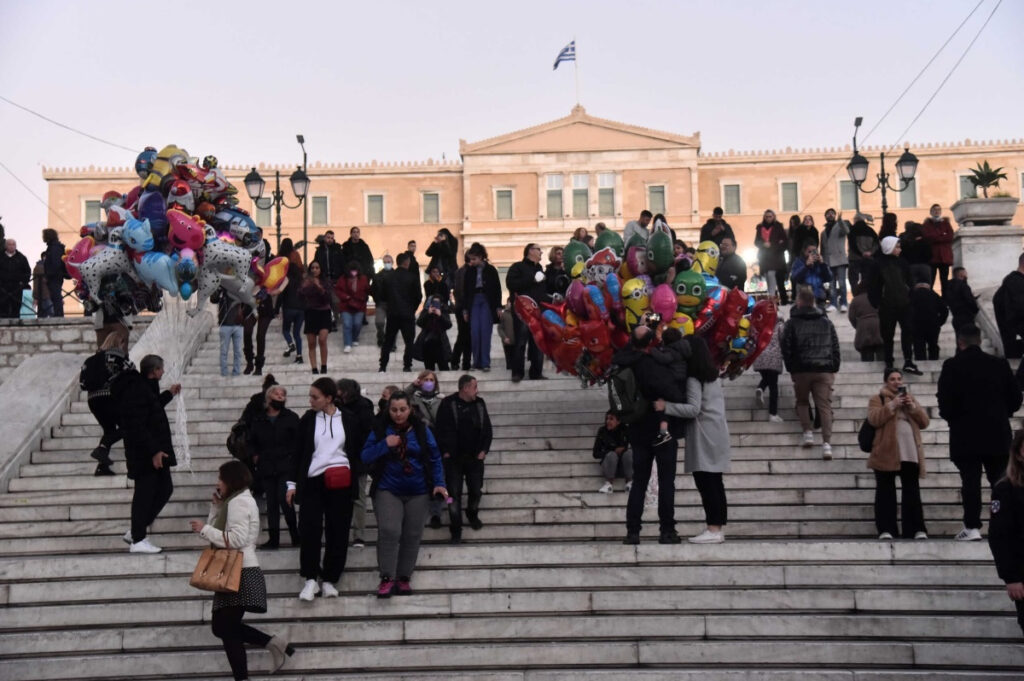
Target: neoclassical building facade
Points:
x,y
540,183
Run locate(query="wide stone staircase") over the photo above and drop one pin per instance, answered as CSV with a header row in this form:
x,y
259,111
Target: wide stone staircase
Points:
x,y
802,589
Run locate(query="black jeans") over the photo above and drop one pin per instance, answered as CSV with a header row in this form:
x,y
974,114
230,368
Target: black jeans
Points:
x,y
644,454
407,327
463,344
327,513
472,471
712,497
153,490
106,413
770,380
943,271
970,484
524,348
781,277
926,340
260,324
885,501
227,626
275,487
888,318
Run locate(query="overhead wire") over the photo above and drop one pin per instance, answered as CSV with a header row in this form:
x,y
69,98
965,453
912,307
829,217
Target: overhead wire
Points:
x,y
37,197
68,127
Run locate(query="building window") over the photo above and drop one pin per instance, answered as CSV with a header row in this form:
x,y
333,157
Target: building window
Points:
x,y
375,209
261,215
503,204
847,195
92,212
554,196
431,208
790,194
967,189
908,197
656,199
580,198
319,210
731,199
606,194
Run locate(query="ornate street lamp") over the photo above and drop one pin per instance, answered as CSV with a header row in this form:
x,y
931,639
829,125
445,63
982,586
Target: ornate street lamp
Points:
x,y
254,186
906,168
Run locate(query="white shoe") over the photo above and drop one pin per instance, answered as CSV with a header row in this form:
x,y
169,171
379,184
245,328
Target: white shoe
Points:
x,y
348,349
920,535
774,418
972,534
144,546
885,536
127,538
355,344
826,451
328,590
707,537
629,486
606,488
808,438
830,308
843,308
310,590
759,396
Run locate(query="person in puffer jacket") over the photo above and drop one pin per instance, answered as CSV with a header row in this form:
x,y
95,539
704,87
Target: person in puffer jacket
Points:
x,y
810,351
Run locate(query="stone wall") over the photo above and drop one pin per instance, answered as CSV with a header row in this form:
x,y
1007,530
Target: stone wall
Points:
x,y
21,338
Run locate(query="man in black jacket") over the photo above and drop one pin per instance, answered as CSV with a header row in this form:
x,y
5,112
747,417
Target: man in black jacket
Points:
x,y
977,396
148,449
526,278
357,249
717,229
1008,304
361,408
889,291
380,303
403,295
810,350
53,270
332,261
464,437
732,270
15,275
963,305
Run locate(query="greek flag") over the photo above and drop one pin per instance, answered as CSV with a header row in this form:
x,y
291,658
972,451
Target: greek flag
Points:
x,y
568,53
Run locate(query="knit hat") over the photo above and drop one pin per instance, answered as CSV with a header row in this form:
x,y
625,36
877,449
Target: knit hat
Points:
x,y
888,244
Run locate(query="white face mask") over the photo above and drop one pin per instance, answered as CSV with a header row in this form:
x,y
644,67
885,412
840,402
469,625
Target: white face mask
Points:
x,y
388,266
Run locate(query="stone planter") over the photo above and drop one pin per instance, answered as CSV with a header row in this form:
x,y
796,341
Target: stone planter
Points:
x,y
997,210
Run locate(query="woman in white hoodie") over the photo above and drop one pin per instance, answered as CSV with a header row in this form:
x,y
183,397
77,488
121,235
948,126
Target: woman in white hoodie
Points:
x,y
234,522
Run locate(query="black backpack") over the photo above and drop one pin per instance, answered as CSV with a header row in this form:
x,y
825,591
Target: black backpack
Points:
x,y
624,397
866,435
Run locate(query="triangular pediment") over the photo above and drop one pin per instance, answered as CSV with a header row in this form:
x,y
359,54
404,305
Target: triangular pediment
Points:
x,y
579,131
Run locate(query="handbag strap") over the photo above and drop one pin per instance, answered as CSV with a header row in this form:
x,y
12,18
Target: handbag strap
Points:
x,y
227,542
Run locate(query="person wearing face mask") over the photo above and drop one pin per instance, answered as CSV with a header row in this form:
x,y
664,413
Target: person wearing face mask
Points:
x,y
431,346
425,398
772,243
352,290
939,235
321,483
273,440
380,302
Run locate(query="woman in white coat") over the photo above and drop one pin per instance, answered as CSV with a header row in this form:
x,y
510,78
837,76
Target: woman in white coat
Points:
x,y
707,438
234,522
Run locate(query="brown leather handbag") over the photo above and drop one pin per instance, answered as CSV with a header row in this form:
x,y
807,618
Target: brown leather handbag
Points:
x,y
218,570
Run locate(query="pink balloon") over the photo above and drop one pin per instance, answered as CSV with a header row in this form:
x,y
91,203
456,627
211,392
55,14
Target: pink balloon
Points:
x,y
663,301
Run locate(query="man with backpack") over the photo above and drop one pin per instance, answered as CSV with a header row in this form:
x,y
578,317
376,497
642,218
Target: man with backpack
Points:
x,y
464,437
632,385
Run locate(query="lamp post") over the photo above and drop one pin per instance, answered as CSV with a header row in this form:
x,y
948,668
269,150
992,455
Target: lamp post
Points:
x,y
254,186
906,168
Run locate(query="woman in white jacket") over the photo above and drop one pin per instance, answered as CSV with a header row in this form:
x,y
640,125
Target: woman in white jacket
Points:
x,y
234,522
707,438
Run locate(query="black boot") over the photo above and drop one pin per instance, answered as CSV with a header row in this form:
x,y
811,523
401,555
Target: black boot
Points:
x,y
298,358
248,365
290,350
102,454
323,369
273,542
259,366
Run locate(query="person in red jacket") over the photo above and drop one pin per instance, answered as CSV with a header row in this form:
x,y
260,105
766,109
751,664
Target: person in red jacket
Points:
x,y
352,290
939,235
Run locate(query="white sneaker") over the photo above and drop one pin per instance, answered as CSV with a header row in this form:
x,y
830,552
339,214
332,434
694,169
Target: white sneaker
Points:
x,y
920,535
348,349
310,590
885,536
759,396
355,344
843,308
328,590
127,538
774,418
629,486
145,546
830,308
826,451
808,438
707,537
972,534
606,488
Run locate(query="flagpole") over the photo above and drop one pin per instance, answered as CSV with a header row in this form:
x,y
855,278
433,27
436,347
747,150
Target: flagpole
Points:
x,y
576,69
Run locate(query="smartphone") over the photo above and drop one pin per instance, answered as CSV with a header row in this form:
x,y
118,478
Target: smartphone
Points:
x,y
902,390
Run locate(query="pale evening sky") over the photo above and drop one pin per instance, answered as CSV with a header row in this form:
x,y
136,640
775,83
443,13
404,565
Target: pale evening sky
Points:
x,y
405,80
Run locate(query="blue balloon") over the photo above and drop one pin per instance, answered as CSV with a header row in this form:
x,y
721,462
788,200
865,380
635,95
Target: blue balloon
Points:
x,y
137,235
158,268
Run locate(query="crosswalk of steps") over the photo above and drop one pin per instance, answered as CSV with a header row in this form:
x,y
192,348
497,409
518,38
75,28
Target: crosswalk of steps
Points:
x,y
545,590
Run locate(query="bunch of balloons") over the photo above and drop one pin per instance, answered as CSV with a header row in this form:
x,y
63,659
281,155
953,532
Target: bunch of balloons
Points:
x,y
180,231
620,285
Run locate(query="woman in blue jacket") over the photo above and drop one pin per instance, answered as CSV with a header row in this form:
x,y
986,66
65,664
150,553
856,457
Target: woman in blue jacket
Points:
x,y
405,465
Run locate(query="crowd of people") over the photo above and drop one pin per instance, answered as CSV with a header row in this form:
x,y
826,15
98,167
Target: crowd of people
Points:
x,y
44,280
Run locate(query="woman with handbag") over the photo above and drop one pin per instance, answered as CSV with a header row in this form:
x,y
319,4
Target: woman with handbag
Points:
x,y
898,420
234,524
321,483
406,468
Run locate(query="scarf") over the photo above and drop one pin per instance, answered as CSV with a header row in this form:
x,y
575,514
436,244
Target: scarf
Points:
x,y
221,520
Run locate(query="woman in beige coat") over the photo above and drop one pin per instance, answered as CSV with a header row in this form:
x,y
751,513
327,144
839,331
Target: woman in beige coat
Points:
x,y
897,451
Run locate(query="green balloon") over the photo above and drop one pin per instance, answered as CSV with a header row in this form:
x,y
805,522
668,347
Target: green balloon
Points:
x,y
608,238
660,254
576,253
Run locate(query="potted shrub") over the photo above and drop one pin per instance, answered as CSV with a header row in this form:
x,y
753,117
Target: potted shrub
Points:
x,y
997,210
